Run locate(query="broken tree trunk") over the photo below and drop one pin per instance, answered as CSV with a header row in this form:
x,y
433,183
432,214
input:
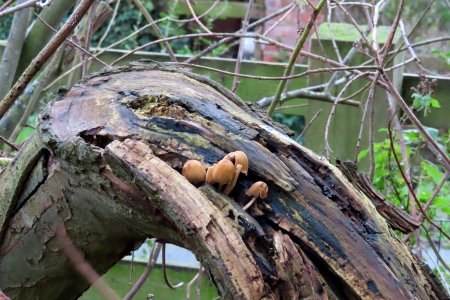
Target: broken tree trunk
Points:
x,y
105,165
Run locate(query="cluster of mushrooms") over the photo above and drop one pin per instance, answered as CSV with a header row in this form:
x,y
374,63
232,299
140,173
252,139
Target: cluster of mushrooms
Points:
x,y
225,173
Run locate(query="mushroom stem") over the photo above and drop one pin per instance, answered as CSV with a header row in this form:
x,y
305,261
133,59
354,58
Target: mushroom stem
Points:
x,y
220,186
250,203
230,187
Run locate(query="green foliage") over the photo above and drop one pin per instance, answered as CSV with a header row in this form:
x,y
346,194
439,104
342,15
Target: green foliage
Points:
x,y
424,103
5,24
122,277
129,20
425,173
293,122
445,56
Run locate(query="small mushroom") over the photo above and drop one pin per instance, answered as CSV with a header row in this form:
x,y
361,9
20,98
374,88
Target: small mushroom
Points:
x,y
258,189
209,175
194,171
240,160
223,173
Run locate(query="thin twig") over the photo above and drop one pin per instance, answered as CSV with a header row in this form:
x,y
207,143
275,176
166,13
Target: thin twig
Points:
x,y
277,22
82,266
197,278
301,93
230,39
410,187
431,143
294,55
305,73
436,252
97,54
155,28
372,135
103,50
291,106
44,55
15,44
333,109
308,125
387,44
333,39
240,54
405,40
4,140
395,52
48,71
30,3
6,4
156,248
206,12
369,100
436,191
88,39
164,266
361,32
200,35
194,15
401,143
111,22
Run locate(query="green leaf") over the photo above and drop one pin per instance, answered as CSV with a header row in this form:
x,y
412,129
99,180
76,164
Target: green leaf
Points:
x,y
432,171
434,103
363,154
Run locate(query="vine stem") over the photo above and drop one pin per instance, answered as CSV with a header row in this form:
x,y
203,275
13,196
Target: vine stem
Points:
x,y
292,59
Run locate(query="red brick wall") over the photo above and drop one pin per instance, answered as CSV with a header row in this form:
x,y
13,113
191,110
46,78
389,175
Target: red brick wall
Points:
x,y
286,31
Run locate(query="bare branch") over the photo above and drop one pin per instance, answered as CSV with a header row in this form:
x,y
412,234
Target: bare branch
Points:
x,y
294,55
9,143
27,4
230,39
153,257
431,143
302,93
308,125
155,28
240,54
333,109
111,22
13,49
194,15
44,55
82,266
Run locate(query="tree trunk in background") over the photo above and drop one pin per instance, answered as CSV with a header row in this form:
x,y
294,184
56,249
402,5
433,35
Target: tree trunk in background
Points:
x,y
105,164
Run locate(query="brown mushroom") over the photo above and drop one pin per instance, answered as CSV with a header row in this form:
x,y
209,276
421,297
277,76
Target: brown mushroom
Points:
x,y
223,173
258,189
194,171
240,160
209,175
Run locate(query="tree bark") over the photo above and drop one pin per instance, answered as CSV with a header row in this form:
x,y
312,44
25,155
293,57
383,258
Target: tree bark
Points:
x,y
105,164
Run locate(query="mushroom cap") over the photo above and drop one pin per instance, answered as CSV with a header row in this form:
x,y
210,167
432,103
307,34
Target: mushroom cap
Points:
x,y
258,189
223,172
194,171
209,175
240,158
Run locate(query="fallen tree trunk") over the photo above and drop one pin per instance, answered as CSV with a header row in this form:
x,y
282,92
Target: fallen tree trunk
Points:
x,y
105,165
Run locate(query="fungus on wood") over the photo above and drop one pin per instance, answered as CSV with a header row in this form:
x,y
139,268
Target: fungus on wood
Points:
x,y
111,152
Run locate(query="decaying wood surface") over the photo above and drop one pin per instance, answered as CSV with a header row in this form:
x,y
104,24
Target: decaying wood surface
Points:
x,y
105,164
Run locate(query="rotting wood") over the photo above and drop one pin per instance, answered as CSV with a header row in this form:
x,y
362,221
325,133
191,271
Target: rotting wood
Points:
x,y
116,143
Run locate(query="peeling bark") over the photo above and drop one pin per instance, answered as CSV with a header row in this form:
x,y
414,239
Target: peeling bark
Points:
x,y
110,152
